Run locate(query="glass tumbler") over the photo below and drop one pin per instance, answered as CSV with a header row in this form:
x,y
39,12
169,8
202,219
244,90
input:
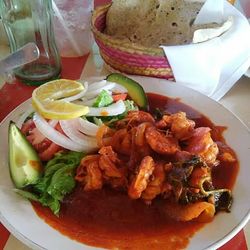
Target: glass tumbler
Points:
x,y
72,26
31,21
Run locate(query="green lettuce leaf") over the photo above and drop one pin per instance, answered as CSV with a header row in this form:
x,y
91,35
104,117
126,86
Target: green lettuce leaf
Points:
x,y
62,183
103,99
57,181
130,105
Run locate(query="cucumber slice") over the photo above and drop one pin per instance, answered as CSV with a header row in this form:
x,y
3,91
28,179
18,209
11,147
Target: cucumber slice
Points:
x,y
135,90
24,163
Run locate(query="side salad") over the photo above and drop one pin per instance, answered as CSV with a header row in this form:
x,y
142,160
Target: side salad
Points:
x,y
50,139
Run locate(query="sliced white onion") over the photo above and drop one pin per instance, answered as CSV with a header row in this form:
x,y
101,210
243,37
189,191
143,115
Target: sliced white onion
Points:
x,y
87,127
53,123
95,92
101,84
69,127
111,110
78,96
78,102
97,85
54,135
88,102
119,88
23,117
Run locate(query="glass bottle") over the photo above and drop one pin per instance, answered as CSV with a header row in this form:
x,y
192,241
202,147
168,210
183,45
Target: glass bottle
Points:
x,y
31,21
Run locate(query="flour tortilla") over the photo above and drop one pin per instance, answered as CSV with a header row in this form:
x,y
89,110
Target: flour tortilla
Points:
x,y
152,22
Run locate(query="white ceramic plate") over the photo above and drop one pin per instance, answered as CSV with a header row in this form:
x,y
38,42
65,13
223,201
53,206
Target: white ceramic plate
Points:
x,y
248,72
18,217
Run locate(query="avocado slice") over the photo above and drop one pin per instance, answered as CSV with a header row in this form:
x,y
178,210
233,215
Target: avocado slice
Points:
x,y
135,90
24,163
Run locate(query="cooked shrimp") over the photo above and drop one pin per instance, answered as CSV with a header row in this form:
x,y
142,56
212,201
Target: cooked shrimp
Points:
x,y
107,162
181,126
94,177
103,135
121,141
210,155
139,147
164,123
81,170
89,174
140,181
137,152
134,118
126,144
109,167
133,156
110,153
203,145
200,141
160,143
121,182
198,175
154,187
137,117
140,139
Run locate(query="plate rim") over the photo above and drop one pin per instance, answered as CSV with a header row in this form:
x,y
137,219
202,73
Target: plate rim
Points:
x,y
218,243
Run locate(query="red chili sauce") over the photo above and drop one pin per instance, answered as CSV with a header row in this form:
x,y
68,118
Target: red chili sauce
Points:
x,y
110,219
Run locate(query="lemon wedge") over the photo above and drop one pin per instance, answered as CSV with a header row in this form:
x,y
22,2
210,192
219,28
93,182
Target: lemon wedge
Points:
x,y
48,101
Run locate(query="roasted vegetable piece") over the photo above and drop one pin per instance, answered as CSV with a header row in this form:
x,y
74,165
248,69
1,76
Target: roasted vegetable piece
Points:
x,y
222,199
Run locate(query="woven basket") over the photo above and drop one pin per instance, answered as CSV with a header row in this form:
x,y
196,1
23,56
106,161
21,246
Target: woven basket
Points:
x,y
128,57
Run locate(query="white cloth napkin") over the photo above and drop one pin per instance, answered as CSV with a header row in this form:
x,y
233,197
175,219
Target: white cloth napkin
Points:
x,y
213,67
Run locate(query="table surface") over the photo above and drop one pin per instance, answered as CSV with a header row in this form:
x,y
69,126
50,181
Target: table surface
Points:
x,y
237,100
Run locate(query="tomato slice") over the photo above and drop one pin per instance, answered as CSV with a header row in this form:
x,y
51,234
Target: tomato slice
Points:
x,y
49,152
45,148
28,126
117,97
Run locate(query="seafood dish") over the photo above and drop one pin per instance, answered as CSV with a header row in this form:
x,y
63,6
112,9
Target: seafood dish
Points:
x,y
123,169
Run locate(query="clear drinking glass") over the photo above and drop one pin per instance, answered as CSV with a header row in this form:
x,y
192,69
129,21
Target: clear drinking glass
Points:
x,y
72,26
31,21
